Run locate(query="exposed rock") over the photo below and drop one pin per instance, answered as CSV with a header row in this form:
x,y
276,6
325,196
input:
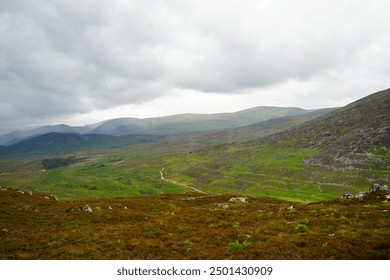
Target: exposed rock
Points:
x,y
221,205
377,187
109,208
30,192
22,192
50,197
238,199
291,208
360,195
188,198
86,208
347,196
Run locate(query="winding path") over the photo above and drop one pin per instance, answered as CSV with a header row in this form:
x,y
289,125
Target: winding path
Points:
x,y
178,184
118,162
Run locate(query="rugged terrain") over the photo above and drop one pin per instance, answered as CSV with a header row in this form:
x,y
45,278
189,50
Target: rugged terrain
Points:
x,y
355,136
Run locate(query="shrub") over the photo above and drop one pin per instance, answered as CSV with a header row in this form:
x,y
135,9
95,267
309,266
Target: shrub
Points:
x,y
236,245
58,162
301,226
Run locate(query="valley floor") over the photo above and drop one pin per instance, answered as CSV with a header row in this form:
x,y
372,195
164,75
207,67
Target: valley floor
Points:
x,y
192,226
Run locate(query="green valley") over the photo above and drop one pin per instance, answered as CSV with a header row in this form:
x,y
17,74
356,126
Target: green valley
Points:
x,y
307,162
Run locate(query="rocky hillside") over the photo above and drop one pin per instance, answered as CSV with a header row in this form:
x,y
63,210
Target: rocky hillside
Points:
x,y
355,136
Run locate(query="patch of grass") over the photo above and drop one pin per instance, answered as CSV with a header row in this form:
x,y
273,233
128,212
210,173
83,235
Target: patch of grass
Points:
x,y
302,226
237,245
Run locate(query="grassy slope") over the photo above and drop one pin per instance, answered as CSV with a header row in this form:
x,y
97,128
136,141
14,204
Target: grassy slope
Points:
x,y
261,129
56,143
185,123
192,226
135,170
275,166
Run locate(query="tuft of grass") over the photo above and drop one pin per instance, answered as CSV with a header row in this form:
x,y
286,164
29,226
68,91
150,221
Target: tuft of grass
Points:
x,y
302,226
237,245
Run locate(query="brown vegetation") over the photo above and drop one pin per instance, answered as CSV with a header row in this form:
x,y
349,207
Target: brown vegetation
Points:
x,y
192,226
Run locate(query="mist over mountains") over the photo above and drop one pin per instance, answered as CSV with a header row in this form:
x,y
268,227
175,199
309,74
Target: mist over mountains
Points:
x,y
168,125
356,135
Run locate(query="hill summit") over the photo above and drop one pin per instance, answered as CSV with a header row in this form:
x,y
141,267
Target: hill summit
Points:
x,y
355,136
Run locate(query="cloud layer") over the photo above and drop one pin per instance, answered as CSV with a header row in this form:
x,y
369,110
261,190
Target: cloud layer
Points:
x,y
60,58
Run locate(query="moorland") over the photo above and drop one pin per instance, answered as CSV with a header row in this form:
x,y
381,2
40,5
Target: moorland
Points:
x,y
268,186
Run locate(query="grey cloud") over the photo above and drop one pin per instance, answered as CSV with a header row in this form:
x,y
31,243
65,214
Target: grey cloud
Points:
x,y
63,57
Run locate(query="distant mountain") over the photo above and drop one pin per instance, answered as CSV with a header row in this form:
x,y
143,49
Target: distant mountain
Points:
x,y
71,142
185,123
343,151
357,135
260,129
17,136
169,125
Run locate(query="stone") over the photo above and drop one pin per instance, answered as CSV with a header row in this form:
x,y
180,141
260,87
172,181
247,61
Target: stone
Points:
x,y
86,208
238,199
347,196
188,198
291,208
109,208
221,205
360,195
377,187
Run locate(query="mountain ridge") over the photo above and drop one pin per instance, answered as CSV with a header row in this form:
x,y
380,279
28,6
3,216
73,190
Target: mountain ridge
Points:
x,y
353,135
172,124
184,123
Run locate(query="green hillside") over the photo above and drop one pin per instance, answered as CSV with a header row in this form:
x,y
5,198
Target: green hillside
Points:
x,y
301,164
185,123
56,143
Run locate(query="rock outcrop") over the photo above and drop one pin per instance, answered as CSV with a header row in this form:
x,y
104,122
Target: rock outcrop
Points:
x,y
361,195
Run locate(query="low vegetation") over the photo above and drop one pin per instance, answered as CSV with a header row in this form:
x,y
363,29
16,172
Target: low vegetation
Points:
x,y
49,163
192,226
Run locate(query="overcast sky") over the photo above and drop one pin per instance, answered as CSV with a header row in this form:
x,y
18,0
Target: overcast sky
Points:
x,y
78,62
